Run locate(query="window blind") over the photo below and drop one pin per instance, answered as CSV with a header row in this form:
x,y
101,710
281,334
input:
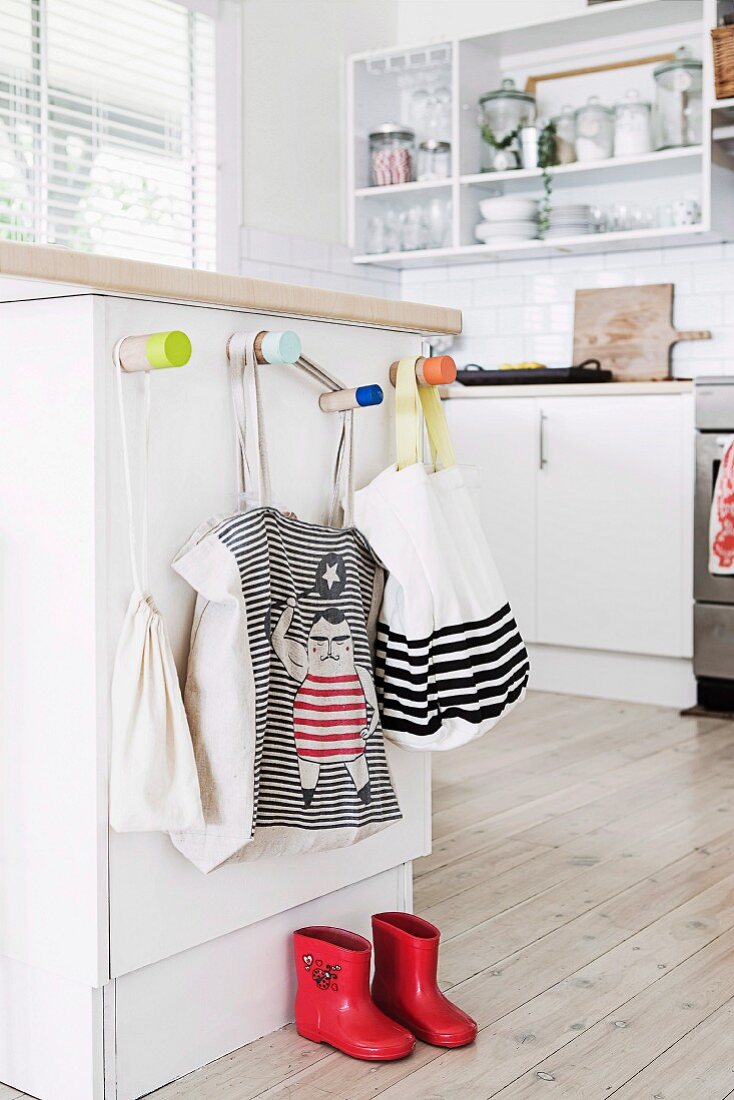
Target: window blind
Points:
x,y
107,128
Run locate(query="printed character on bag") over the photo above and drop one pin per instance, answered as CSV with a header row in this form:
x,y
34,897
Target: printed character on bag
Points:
x,y
330,723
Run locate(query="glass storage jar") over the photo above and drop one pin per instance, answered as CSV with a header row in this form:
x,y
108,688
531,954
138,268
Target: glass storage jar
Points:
x,y
632,126
594,131
565,124
391,155
434,160
678,96
502,113
438,222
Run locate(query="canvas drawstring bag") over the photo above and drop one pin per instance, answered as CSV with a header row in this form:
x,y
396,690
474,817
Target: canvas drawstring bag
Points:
x,y
154,786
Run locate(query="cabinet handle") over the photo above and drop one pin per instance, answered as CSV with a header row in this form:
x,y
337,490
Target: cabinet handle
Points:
x,y
543,461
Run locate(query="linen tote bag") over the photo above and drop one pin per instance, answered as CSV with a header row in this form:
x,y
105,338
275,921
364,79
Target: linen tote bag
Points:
x,y
450,661
280,689
153,781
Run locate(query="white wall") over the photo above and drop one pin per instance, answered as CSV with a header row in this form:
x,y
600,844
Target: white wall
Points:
x,y
293,258
293,76
427,20
294,96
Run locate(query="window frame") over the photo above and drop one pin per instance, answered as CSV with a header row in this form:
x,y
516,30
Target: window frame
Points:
x,y
229,114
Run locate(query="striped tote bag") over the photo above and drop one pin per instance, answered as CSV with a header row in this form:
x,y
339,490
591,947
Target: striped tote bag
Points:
x,y
280,691
450,661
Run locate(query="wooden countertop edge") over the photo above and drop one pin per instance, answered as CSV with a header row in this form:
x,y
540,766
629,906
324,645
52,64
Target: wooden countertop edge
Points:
x,y
108,273
572,389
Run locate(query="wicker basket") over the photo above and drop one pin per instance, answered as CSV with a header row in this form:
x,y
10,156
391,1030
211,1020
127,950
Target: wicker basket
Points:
x,y
723,41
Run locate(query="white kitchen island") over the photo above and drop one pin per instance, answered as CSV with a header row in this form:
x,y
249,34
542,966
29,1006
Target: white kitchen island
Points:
x,y
121,966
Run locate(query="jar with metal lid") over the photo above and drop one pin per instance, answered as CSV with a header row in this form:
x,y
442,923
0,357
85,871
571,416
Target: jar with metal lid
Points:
x,y
632,126
679,105
565,124
502,114
594,131
391,154
434,160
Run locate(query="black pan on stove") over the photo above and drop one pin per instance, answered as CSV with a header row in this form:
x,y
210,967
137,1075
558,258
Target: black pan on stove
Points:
x,y
588,371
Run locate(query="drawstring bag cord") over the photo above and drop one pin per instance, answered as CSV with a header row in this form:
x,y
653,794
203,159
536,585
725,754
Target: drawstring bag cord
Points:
x,y
140,578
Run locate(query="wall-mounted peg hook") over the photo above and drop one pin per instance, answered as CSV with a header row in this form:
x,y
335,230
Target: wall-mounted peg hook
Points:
x,y
279,349
154,351
438,370
341,400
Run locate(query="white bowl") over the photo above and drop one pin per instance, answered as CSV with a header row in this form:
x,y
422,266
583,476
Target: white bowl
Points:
x,y
511,224
507,232
507,208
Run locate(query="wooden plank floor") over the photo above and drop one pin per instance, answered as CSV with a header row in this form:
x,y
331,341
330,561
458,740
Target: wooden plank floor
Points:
x,y
583,878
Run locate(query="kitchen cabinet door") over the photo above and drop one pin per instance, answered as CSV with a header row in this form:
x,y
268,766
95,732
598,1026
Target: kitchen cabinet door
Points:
x,y
500,437
614,498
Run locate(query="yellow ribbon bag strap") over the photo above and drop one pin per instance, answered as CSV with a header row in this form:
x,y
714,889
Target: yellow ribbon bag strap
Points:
x,y
407,415
442,450
409,399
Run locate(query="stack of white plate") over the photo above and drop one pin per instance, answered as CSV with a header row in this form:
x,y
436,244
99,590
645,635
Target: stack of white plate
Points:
x,y
508,220
570,220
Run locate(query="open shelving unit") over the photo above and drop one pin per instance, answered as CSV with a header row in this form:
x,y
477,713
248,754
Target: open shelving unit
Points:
x,y
380,85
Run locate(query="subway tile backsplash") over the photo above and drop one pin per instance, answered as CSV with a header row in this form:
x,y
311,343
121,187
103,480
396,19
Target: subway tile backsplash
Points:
x,y
523,309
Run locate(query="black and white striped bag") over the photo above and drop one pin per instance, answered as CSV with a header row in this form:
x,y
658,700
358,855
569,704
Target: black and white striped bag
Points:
x,y
280,692
450,661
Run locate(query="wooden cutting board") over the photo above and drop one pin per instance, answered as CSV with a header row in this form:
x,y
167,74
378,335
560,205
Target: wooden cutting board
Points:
x,y
629,329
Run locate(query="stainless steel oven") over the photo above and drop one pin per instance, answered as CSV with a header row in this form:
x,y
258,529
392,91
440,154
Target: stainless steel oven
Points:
x,y
713,616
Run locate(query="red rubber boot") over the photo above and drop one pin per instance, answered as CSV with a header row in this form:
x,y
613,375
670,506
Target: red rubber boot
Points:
x,y
404,986
333,1003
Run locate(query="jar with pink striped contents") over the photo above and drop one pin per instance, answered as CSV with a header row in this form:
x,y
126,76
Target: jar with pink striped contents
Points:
x,y
392,155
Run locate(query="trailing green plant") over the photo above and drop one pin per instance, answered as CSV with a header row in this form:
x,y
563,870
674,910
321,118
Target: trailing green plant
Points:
x,y
546,160
488,135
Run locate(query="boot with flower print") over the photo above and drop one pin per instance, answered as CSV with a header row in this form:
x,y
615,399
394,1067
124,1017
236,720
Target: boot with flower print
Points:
x,y
333,1003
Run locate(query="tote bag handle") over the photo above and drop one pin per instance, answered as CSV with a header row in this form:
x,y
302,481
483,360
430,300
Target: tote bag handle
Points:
x,y
342,497
410,398
253,471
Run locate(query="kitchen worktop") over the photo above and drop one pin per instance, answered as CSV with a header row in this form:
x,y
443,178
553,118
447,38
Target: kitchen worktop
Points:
x,y
132,277
578,389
